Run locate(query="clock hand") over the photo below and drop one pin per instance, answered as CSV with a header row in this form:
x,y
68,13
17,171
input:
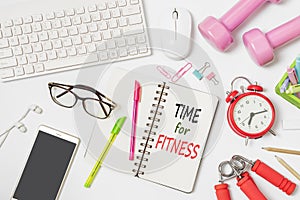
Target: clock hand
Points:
x,y
251,117
245,120
260,112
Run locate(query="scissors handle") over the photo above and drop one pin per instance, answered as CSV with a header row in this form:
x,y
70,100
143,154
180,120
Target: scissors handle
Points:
x,y
273,177
249,188
222,191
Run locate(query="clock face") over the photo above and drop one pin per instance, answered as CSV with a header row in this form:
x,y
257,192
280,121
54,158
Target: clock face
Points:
x,y
253,114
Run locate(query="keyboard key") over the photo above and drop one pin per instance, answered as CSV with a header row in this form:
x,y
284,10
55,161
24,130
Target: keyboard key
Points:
x,y
113,54
131,10
103,55
23,39
50,15
18,21
60,14
51,55
103,26
57,44
132,2
19,71
32,58
76,20
96,17
28,69
106,35
37,27
122,3
37,18
81,50
71,61
28,20
135,19
92,27
121,42
8,62
37,47
123,52
8,23
33,38
141,39
106,14
5,53
43,36
130,40
133,30
17,30
91,48
112,4
82,29
71,51
101,46
27,29
56,24
3,43
123,22
132,51
86,39
92,8
6,73
111,44
62,53
66,22
46,25
67,42
47,46
77,40
17,50
14,41
102,6
96,37
73,31
22,60
63,33
80,10
42,57
116,13
143,48
27,49
7,32
53,34
70,12
116,33
39,67
113,23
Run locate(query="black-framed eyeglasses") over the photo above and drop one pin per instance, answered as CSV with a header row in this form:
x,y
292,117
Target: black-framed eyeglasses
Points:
x,y
98,106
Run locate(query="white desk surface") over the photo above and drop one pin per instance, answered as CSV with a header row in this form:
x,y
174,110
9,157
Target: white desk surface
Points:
x,y
109,184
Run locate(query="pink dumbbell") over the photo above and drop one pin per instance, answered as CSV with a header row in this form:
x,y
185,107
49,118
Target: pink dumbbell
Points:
x,y
218,32
261,46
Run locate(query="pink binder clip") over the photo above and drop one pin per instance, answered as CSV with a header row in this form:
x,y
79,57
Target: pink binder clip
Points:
x,y
212,77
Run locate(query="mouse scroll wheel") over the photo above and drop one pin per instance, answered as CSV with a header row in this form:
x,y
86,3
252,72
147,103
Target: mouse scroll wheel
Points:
x,y
175,14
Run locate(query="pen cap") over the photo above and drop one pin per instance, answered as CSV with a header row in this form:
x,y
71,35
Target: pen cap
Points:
x,y
137,91
117,128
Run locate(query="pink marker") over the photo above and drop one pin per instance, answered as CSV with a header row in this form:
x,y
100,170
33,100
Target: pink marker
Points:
x,y
293,78
136,100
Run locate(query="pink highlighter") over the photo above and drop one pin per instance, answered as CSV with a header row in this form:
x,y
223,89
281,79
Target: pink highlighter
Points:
x,y
136,100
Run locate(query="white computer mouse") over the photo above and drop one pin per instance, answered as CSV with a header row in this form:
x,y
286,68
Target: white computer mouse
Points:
x,y
176,42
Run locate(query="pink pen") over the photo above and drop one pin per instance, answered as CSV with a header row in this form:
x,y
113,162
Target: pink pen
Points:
x,y
181,72
136,100
293,78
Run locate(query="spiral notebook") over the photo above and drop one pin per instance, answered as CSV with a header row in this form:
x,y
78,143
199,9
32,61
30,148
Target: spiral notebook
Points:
x,y
178,121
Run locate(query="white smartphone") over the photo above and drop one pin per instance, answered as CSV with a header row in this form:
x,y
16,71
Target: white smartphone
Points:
x,y
47,165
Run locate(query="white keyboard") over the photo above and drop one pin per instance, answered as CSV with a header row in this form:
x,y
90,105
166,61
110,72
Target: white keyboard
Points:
x,y
72,38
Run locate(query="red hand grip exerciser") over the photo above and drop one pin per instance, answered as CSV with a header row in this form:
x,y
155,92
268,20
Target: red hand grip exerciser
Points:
x,y
250,189
222,192
273,177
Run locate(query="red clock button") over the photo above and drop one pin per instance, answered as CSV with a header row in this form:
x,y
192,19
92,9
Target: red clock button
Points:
x,y
256,88
232,95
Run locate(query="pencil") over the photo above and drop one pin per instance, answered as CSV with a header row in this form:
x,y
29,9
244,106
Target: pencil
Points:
x,y
287,151
288,167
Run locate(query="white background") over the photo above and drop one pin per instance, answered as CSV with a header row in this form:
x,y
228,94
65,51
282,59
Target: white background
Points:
x,y
16,96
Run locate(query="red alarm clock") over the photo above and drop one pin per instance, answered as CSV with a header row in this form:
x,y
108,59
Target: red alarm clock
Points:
x,y
250,114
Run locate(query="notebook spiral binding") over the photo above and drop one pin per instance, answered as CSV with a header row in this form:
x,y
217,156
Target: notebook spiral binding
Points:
x,y
156,112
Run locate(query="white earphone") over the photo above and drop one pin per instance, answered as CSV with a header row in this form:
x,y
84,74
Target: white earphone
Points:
x,y
19,124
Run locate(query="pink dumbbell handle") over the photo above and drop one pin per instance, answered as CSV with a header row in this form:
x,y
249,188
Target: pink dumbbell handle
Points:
x,y
239,12
284,33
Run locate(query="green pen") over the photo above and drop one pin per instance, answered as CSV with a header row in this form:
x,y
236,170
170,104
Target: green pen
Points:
x,y
115,131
